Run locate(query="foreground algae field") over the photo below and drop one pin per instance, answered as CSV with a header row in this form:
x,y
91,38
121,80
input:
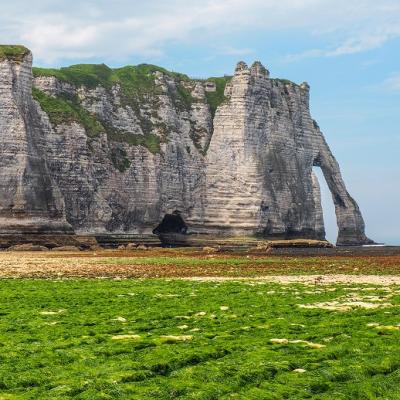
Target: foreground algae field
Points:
x,y
186,339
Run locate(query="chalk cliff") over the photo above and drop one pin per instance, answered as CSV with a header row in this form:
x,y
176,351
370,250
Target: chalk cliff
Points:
x,y
116,150
30,201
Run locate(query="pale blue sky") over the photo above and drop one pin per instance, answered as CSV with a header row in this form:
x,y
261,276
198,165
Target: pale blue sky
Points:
x,y
349,52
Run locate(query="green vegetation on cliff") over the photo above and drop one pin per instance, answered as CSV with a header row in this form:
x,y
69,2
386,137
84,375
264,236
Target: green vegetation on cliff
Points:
x,y
150,141
66,110
138,86
15,53
119,159
284,81
215,99
135,81
89,75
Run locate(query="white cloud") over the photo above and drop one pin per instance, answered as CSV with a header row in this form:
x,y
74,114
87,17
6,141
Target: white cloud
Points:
x,y
121,29
363,37
360,43
368,40
392,83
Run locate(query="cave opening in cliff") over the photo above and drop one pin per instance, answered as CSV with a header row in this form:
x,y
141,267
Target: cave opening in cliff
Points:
x,y
171,223
328,208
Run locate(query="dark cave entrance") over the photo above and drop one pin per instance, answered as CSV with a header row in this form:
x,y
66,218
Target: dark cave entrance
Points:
x,y
171,223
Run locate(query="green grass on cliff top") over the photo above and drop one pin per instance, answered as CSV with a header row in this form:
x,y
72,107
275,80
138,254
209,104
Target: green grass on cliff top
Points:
x,y
137,85
134,80
16,53
215,99
172,339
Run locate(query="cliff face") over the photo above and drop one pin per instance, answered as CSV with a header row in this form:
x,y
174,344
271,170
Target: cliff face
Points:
x,y
145,160
263,180
30,201
259,166
117,150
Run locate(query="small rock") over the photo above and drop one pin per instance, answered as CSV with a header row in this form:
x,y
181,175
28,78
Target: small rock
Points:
x,y
264,246
126,337
182,317
388,327
51,312
209,249
279,341
314,345
122,247
173,338
142,247
120,319
299,370
131,246
27,247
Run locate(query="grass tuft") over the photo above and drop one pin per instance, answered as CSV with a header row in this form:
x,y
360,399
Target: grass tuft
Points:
x,y
13,52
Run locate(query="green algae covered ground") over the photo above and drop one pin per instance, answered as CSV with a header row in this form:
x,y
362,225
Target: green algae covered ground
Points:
x,y
177,339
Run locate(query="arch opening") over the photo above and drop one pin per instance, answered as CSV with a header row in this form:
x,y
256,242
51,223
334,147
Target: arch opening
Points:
x,y
328,207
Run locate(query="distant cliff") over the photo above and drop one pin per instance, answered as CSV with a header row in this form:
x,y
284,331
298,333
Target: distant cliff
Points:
x,y
101,150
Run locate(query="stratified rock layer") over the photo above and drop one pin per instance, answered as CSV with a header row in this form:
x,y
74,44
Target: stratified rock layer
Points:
x,y
259,164
118,158
30,201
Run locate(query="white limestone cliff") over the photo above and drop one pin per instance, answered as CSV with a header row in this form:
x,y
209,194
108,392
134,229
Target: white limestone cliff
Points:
x,y
248,169
30,201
